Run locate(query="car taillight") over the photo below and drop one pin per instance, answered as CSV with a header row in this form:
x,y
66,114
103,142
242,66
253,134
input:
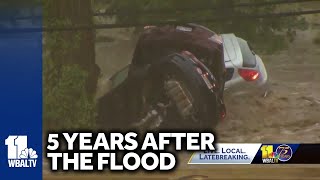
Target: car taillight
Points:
x,y
249,74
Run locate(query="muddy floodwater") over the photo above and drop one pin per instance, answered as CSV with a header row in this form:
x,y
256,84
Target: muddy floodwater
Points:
x,y
290,113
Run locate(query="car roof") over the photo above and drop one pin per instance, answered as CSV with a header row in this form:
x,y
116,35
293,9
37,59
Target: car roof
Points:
x,y
232,51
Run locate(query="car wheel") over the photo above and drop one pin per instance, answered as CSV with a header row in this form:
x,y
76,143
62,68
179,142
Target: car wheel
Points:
x,y
176,90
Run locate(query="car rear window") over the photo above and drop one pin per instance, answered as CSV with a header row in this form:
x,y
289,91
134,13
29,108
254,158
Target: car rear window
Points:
x,y
249,59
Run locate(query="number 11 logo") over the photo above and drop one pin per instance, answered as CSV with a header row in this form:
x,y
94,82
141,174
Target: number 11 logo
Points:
x,y
19,155
15,145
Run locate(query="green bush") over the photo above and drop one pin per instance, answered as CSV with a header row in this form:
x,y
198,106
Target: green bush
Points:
x,y
66,103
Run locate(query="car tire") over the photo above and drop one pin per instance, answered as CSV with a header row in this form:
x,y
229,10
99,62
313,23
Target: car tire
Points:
x,y
183,69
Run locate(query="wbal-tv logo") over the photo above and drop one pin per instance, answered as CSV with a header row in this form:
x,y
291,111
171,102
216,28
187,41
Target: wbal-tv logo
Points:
x,y
283,153
19,155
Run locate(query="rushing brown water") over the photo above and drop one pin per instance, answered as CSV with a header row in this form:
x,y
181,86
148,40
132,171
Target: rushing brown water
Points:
x,y
289,114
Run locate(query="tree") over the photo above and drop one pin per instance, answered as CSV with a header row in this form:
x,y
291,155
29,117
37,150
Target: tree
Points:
x,y
267,34
69,71
80,48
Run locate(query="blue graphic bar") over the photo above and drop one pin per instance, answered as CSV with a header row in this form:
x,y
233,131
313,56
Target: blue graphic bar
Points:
x,y
20,95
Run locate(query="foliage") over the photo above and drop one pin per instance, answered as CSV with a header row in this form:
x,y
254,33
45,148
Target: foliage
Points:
x,y
66,102
265,34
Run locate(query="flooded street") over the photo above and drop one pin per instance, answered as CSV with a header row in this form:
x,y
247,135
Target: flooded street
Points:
x,y
289,114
